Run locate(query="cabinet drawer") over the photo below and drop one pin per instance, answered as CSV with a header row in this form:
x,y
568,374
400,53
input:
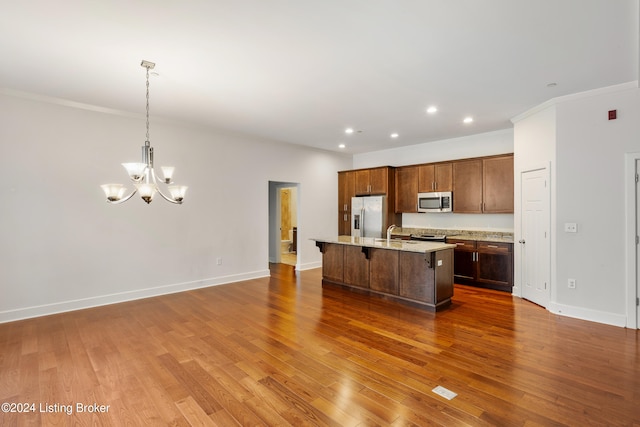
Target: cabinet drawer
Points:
x,y
494,247
463,244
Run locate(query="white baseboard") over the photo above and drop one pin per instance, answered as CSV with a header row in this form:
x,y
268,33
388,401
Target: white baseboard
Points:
x,y
588,314
64,306
309,265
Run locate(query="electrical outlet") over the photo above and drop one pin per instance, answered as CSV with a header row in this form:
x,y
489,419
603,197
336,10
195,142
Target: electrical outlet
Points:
x,y
219,260
570,227
571,283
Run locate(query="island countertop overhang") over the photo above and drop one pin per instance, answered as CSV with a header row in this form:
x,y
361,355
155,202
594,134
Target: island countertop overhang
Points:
x,y
391,244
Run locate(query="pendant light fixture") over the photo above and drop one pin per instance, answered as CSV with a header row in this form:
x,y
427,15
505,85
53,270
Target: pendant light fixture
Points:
x,y
142,174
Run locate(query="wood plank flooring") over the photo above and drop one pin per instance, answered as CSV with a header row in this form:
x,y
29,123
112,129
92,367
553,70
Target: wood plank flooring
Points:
x,y
284,351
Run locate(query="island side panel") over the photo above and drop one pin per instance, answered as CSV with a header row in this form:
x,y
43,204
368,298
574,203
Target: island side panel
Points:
x,y
383,271
444,276
356,272
417,279
333,263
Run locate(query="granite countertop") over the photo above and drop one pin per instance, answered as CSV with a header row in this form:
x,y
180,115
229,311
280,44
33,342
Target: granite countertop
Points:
x,y
480,235
394,244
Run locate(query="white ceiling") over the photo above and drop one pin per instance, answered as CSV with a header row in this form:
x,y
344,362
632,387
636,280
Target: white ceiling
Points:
x,y
301,71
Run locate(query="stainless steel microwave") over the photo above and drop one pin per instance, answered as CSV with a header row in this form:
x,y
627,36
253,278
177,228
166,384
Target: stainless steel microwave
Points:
x,y
435,202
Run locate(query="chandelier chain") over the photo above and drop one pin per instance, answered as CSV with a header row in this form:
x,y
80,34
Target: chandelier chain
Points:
x,y
147,103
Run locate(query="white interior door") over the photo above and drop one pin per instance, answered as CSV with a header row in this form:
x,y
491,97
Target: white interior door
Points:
x,y
535,253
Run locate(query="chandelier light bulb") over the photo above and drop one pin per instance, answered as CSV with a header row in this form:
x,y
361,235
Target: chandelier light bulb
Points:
x,y
114,192
136,171
167,171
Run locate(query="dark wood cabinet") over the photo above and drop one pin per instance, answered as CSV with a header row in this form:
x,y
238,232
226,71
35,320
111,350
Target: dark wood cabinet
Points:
x,y
383,271
485,264
357,271
435,177
467,186
372,181
346,190
483,185
497,185
464,259
366,182
495,264
419,279
407,189
333,263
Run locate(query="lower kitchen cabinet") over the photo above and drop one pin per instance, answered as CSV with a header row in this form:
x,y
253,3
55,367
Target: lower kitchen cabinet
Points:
x,y
485,264
357,271
464,259
495,265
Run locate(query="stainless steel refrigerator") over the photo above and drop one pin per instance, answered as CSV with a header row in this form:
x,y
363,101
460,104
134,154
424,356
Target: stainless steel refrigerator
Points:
x,y
368,216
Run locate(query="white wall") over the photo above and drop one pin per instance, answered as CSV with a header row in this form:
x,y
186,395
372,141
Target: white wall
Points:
x,y
63,247
586,152
590,162
479,145
534,148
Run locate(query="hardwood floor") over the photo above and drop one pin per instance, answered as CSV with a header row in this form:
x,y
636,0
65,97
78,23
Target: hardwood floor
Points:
x,y
285,351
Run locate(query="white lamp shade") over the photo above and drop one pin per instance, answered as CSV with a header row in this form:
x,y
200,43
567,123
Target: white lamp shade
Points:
x,y
136,171
114,192
147,191
167,172
177,192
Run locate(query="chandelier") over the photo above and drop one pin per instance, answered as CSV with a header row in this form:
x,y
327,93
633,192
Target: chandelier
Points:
x,y
143,175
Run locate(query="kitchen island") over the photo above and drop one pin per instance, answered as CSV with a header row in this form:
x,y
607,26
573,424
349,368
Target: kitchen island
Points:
x,y
412,272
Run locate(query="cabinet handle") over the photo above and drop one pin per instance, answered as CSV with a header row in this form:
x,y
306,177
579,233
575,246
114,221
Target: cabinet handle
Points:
x,y
460,244
492,246
435,185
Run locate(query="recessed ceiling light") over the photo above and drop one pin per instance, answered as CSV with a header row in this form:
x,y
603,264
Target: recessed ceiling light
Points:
x,y
349,131
468,119
341,146
431,110
394,135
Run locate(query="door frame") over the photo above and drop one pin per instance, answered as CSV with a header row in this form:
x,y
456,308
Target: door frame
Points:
x,y
632,161
519,287
275,215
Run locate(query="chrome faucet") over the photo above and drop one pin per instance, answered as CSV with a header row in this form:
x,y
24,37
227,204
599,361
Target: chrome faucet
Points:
x,y
389,230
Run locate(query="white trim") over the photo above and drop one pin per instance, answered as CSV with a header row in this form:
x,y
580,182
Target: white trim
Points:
x,y
309,265
575,96
64,306
613,319
631,269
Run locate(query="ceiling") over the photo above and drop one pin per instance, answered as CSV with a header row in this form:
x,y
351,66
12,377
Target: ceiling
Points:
x,y
302,71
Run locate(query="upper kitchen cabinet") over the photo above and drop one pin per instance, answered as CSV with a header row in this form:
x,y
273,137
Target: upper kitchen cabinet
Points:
x,y
497,184
435,177
346,190
483,185
467,186
407,189
373,181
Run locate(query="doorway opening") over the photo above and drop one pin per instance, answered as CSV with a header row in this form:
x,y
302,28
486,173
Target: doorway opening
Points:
x,y
283,222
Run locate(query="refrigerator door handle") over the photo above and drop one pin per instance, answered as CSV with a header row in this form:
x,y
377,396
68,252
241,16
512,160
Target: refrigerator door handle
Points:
x,y
362,222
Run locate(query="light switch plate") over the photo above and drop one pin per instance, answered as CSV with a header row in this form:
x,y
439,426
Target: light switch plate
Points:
x,y
570,227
